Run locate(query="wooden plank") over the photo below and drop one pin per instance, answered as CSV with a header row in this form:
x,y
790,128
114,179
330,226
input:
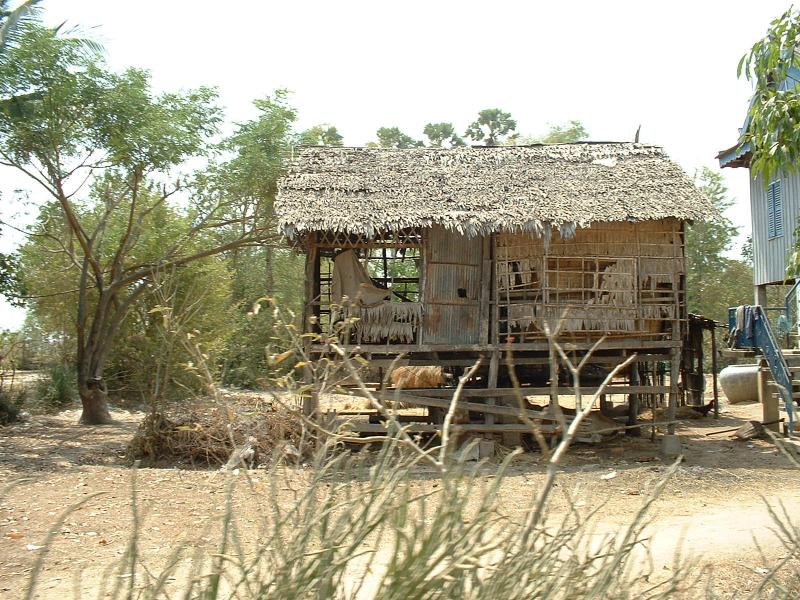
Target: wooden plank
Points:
x,y
460,427
465,405
518,360
533,391
633,344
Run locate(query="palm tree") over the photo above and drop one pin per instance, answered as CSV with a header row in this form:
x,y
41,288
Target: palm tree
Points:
x,y
12,22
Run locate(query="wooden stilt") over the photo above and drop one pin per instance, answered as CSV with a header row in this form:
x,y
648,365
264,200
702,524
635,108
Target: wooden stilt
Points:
x,y
674,374
714,370
769,401
633,403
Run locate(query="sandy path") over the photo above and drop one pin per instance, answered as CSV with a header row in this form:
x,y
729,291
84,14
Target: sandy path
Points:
x,y
711,508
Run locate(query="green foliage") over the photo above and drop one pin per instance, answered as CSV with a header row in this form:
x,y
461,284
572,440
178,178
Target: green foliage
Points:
x,y
774,128
190,307
75,109
392,137
714,281
747,250
320,135
13,22
491,126
57,389
440,133
573,131
80,121
9,407
256,151
11,286
567,133
252,270
246,183
140,362
11,397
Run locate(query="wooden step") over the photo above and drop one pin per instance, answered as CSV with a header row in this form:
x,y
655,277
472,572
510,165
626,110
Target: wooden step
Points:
x,y
795,395
771,384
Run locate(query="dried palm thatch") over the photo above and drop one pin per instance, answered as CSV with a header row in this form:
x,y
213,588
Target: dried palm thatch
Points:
x,y
210,436
482,190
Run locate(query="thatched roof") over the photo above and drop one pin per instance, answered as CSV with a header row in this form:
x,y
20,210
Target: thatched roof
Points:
x,y
479,190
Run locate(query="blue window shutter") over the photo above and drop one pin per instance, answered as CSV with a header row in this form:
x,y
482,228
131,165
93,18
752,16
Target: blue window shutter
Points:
x,y
771,210
777,208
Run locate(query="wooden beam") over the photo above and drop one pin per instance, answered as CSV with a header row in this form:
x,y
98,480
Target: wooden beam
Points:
x,y
632,344
461,427
531,391
468,361
465,405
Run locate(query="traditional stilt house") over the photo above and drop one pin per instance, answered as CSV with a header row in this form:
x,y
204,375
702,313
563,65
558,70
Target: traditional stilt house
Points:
x,y
447,255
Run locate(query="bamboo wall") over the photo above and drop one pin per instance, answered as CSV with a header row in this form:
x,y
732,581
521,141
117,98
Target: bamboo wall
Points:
x,y
623,280
619,279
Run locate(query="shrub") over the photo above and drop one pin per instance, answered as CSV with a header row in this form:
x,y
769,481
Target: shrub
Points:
x,y
9,407
57,389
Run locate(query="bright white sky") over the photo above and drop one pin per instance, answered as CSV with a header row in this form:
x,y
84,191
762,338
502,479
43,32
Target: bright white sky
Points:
x,y
614,65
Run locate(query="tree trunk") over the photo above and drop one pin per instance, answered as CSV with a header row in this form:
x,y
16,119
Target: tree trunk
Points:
x,y
95,403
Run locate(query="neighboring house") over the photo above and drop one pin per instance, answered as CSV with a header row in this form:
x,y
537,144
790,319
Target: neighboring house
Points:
x,y
774,212
447,255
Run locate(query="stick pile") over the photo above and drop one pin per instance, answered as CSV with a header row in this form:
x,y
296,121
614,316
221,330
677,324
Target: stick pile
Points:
x,y
210,436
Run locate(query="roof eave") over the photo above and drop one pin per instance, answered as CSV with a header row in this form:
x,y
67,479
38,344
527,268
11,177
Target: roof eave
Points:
x,y
736,156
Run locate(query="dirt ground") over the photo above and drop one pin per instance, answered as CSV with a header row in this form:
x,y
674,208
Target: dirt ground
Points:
x,y
712,509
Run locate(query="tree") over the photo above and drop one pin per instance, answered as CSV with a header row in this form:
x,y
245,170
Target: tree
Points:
x,y
251,174
439,133
320,135
490,126
392,137
11,286
87,124
13,22
568,133
747,250
147,357
773,128
714,281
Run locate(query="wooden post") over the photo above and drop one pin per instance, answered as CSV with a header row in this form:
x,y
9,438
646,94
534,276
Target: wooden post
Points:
x,y
761,295
494,367
674,375
486,289
487,445
633,402
714,369
311,400
554,378
769,401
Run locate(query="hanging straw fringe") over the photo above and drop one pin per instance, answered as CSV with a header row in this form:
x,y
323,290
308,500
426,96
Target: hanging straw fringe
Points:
x,y
390,321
